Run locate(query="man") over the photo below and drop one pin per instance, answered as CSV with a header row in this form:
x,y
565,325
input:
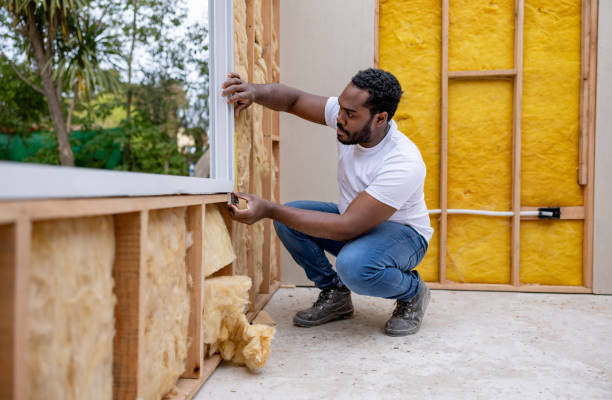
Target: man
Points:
x,y
380,229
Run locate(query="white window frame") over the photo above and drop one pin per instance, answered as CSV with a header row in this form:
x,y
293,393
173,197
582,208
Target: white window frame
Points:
x,y
34,181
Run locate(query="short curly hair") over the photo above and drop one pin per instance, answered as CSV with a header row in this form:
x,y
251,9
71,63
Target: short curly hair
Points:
x,y
384,88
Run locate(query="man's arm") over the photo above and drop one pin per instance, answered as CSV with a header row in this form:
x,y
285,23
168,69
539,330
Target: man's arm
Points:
x,y
276,96
363,214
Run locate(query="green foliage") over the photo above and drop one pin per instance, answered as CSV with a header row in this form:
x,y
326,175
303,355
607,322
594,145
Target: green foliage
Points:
x,y
92,44
147,149
21,107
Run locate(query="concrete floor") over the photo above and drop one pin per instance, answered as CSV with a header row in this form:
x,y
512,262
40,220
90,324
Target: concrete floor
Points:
x,y
472,345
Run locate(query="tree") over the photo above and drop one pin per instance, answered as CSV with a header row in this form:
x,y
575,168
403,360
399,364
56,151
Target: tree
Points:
x,y
61,40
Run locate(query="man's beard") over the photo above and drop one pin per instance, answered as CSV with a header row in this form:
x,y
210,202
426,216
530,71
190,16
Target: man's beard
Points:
x,y
361,136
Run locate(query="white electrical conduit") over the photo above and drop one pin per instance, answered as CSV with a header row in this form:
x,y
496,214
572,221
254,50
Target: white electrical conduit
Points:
x,y
495,213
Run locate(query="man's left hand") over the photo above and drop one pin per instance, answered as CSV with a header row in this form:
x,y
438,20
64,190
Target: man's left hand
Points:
x,y
256,209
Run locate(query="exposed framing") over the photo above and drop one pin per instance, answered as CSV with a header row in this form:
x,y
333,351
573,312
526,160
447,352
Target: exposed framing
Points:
x,y
586,144
130,217
586,151
270,130
129,197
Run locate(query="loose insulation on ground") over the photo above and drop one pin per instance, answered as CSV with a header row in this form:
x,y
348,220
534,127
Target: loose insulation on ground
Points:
x,y
481,37
227,330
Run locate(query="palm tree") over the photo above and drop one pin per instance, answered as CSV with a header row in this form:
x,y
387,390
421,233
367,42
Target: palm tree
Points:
x,y
66,44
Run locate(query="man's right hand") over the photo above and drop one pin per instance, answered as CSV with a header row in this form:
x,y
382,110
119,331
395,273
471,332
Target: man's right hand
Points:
x,y
238,92
275,96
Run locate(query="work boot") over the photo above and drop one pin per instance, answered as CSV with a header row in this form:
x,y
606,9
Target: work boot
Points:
x,y
333,303
408,315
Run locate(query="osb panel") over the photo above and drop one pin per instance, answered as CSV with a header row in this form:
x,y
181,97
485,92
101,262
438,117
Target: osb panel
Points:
x,y
166,304
551,252
551,102
481,35
71,305
410,48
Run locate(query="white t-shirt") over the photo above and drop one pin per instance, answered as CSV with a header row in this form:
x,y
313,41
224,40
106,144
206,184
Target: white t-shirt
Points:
x,y
393,172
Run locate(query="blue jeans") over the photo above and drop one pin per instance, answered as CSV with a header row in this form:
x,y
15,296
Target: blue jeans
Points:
x,y
379,263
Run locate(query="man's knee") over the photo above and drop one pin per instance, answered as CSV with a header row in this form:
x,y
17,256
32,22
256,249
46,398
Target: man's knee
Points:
x,y
354,271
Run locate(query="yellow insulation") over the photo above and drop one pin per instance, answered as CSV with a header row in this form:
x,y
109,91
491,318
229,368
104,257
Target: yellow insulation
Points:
x,y
481,36
71,307
250,136
409,44
478,249
429,268
479,177
243,134
260,154
226,328
551,103
166,303
551,252
218,251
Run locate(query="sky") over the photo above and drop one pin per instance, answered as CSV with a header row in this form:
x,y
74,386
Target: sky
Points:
x,y
198,9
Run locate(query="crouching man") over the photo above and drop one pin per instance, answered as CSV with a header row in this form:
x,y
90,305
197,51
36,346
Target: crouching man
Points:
x,y
379,230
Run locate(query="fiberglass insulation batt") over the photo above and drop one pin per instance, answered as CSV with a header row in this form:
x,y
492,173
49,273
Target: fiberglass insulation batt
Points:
x,y
226,328
252,118
218,251
71,305
481,37
166,304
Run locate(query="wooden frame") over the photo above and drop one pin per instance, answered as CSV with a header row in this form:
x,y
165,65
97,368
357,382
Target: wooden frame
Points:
x,y
130,217
586,150
586,147
20,208
270,129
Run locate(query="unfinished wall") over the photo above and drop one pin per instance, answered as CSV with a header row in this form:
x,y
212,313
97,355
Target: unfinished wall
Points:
x,y
253,156
70,305
243,134
166,303
481,37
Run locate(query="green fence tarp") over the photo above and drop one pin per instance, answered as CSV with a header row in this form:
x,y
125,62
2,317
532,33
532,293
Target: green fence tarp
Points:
x,y
97,149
